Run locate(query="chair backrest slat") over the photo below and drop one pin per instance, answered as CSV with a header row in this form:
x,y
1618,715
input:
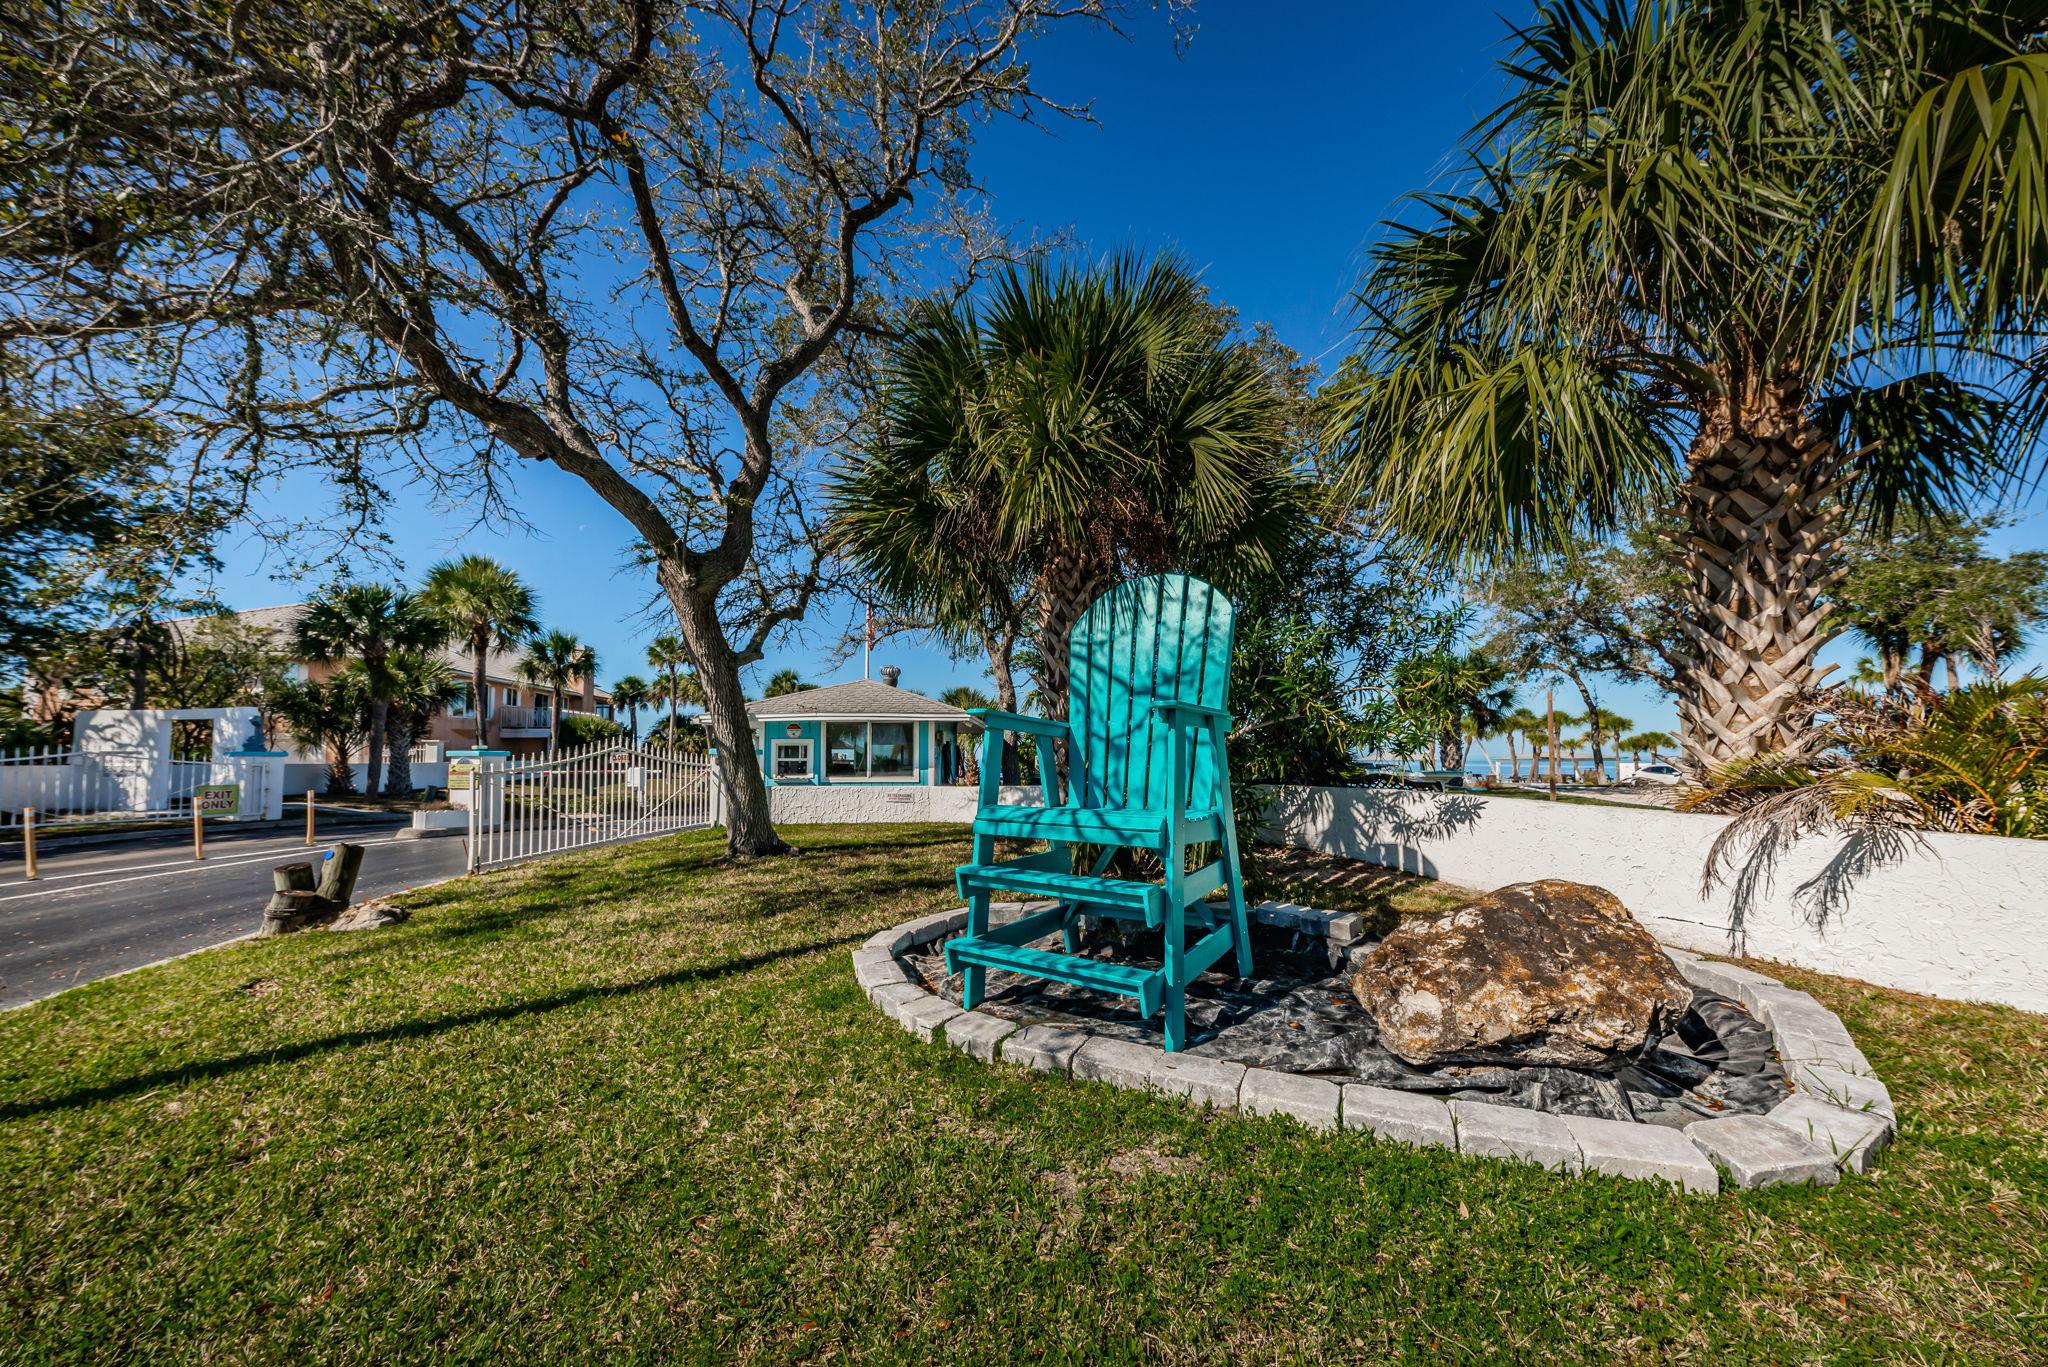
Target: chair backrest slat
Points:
x,y
1165,638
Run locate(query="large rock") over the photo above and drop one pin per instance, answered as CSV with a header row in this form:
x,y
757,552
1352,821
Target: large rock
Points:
x,y
1550,973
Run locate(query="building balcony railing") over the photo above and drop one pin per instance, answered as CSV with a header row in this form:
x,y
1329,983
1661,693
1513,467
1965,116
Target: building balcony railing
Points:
x,y
523,721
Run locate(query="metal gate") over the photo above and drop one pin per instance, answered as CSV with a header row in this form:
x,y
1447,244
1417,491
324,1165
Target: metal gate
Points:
x,y
594,795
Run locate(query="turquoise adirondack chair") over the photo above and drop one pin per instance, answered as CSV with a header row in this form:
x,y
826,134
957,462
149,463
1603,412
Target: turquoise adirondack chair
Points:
x,y
1149,670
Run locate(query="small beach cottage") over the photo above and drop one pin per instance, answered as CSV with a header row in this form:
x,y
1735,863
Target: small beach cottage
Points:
x,y
860,732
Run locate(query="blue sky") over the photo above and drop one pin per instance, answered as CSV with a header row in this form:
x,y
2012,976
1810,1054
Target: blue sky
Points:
x,y
1267,153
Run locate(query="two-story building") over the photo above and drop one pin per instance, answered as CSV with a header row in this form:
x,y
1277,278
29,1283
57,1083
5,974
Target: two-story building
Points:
x,y
517,716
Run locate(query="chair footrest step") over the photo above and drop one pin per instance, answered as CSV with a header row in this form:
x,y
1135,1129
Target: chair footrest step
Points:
x,y
1142,983
1066,887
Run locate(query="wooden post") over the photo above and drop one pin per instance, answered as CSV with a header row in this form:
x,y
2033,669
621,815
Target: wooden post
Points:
x,y
338,874
198,831
1550,730
28,840
309,816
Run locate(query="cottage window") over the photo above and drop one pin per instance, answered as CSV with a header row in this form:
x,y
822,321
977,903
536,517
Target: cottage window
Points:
x,y
869,749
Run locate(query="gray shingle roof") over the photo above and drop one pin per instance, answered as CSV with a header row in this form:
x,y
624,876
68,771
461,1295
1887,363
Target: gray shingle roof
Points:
x,y
860,698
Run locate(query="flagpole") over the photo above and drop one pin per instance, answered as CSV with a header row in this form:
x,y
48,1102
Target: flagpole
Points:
x,y
867,642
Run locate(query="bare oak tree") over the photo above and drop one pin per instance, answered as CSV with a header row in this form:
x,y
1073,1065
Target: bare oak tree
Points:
x,y
627,239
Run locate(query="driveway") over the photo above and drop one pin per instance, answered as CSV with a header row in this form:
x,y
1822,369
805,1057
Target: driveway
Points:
x,y
102,909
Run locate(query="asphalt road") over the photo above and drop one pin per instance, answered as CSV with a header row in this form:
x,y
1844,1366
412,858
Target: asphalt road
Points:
x,y
102,909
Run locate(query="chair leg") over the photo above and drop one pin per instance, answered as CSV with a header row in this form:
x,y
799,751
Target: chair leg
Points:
x,y
1176,956
974,977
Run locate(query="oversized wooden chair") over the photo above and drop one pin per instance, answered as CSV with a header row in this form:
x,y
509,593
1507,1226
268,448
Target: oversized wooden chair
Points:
x,y
1149,679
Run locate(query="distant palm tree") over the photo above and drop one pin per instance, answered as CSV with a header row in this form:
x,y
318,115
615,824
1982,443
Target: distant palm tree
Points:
x,y
1653,741
632,693
367,622
485,606
784,682
964,696
670,659
330,716
554,661
422,684
1517,725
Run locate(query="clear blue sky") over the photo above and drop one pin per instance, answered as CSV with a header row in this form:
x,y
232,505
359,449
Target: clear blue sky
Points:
x,y
1267,153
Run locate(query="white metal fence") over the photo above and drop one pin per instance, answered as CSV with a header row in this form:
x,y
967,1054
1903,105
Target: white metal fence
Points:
x,y
78,787
589,795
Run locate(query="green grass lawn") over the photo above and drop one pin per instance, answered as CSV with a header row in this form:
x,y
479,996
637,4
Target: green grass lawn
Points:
x,y
629,1106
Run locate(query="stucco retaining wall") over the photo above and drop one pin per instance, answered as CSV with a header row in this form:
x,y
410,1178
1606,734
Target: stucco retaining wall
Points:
x,y
1966,918
804,802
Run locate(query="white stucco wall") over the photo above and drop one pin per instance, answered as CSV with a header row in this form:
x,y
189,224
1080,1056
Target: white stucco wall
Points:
x,y
802,802
1966,919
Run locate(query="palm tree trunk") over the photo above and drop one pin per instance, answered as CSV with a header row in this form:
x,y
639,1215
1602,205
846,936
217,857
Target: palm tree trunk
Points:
x,y
1001,648
398,773
480,697
554,721
380,712
1594,735
1759,544
341,771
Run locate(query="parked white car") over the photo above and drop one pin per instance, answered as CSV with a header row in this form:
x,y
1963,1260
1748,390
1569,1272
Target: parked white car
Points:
x,y
1658,773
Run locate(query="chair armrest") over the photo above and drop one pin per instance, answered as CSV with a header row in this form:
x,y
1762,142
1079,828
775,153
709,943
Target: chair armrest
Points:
x,y
1194,711
997,720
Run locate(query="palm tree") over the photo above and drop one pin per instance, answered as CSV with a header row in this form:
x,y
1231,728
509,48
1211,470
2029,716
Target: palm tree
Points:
x,y
632,693
783,682
1697,265
330,716
1517,725
485,606
555,660
671,661
1087,423
1448,690
422,684
1653,741
367,622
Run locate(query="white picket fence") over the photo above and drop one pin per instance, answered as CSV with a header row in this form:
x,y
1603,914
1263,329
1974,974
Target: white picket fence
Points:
x,y
72,787
600,794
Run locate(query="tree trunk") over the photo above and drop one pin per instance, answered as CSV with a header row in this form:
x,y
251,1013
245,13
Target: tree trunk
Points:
x,y
554,721
1759,545
341,772
1070,586
480,692
749,825
398,773
380,712
1594,734
1001,647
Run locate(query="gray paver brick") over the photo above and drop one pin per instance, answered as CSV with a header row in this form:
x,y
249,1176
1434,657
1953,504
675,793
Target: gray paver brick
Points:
x,y
1047,1048
1115,1061
1622,1149
1730,980
1854,1137
873,968
1838,1087
1314,1102
1794,1047
979,1034
891,998
927,928
923,1018
1408,1117
1205,1081
1759,1152
1511,1132
1338,927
